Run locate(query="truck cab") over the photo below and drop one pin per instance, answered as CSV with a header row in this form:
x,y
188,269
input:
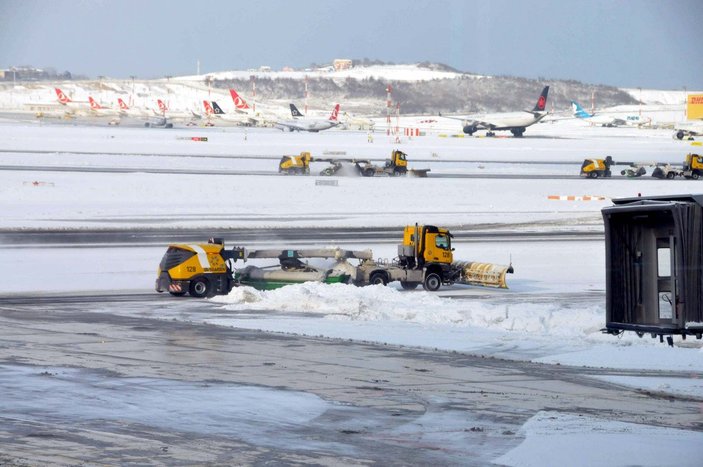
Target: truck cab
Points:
x,y
693,166
295,164
398,162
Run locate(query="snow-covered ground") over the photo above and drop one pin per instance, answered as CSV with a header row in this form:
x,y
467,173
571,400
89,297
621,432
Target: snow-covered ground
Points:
x,y
552,313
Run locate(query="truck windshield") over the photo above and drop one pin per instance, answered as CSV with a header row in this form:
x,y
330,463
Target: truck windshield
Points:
x,y
442,241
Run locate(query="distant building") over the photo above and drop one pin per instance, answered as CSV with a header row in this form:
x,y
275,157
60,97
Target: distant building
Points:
x,y
342,64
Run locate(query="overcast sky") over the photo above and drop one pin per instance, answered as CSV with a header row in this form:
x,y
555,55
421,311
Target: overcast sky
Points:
x,y
636,43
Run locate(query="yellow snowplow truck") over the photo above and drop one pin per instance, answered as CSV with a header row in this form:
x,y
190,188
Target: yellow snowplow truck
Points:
x,y
426,257
594,168
295,165
693,166
396,165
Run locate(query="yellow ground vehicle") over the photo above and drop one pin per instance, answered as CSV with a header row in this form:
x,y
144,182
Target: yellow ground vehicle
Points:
x,y
295,164
426,257
396,165
693,166
198,269
594,168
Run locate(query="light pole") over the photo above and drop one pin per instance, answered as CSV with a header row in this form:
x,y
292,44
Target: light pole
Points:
x,y
131,98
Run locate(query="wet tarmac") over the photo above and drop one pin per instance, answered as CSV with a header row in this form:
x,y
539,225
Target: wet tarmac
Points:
x,y
96,379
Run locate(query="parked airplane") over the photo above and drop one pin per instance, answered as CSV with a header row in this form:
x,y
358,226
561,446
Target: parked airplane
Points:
x,y
73,107
359,123
227,117
302,123
606,120
127,111
516,122
264,116
165,112
688,129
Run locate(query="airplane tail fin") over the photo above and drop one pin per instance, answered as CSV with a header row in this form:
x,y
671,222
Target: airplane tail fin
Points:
x,y
208,108
217,109
294,111
93,104
579,111
162,105
239,103
122,104
335,113
63,98
541,105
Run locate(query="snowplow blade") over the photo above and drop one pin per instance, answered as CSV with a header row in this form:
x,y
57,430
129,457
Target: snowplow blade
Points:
x,y
483,274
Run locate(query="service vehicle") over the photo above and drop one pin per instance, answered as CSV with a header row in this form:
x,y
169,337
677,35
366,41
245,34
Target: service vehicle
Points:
x,y
693,166
594,168
396,165
425,257
295,164
667,171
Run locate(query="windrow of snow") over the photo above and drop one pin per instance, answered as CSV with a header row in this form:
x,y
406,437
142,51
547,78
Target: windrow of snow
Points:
x,y
379,303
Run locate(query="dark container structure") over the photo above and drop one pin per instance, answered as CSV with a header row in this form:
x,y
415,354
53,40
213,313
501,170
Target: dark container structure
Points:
x,y
653,256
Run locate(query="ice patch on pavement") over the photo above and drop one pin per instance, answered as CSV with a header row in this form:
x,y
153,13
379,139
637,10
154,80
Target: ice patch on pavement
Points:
x,y
555,439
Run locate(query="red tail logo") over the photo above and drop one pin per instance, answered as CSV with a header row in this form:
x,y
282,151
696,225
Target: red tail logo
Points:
x,y
63,98
162,106
542,103
208,108
238,101
335,112
122,104
93,105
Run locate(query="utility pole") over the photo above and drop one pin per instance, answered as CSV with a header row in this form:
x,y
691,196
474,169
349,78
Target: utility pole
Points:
x,y
306,94
388,109
131,97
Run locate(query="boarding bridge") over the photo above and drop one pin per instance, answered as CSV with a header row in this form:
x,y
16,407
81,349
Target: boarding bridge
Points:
x,y
654,279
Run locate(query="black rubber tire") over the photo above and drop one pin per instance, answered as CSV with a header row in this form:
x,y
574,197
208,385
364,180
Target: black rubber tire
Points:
x,y
199,288
409,285
378,278
369,172
593,175
694,175
178,294
432,282
679,135
670,175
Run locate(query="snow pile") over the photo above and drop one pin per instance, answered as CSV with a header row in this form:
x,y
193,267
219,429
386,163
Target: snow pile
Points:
x,y
379,303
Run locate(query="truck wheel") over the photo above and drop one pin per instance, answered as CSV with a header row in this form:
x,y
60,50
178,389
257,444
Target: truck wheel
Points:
x,y
694,175
409,285
432,282
378,278
593,175
199,288
670,175
368,173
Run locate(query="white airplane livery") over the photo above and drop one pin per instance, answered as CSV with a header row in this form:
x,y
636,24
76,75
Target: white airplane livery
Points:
x,y
515,122
607,120
302,123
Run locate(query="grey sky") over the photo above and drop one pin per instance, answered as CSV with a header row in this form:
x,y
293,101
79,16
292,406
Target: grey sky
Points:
x,y
645,43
